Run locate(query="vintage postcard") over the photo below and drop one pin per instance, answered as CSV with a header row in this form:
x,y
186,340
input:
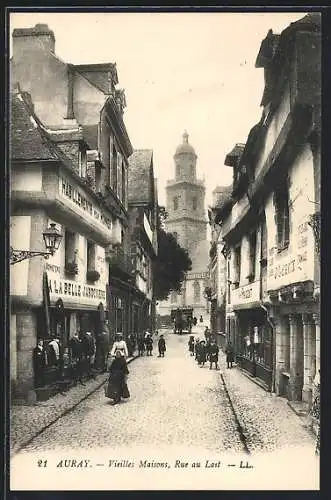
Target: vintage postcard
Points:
x,y
164,250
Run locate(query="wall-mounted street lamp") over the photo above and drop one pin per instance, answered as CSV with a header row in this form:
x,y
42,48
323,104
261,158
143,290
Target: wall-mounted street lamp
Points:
x,y
52,239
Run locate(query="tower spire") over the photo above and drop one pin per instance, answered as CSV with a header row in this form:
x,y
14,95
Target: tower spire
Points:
x,y
185,137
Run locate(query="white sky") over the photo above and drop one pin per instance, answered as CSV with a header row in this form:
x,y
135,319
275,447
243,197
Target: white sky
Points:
x,y
191,71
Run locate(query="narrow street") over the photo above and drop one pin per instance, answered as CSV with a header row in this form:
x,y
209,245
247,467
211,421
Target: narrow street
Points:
x,y
179,414
173,402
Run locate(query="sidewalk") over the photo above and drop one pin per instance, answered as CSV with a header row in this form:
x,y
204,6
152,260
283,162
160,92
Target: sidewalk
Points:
x,y
28,421
267,421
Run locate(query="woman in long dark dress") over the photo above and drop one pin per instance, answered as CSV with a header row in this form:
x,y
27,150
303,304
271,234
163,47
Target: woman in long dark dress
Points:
x,y
117,384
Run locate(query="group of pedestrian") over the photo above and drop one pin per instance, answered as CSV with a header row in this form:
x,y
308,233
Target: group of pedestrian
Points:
x,y
204,351
146,344
208,351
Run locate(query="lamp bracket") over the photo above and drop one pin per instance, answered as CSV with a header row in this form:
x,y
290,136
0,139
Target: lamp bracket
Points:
x,y
19,255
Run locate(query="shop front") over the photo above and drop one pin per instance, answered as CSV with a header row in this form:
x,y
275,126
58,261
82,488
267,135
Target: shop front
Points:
x,y
253,343
69,309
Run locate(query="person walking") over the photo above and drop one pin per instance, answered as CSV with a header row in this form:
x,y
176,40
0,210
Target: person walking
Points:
x,y
213,355
117,383
229,355
162,346
120,345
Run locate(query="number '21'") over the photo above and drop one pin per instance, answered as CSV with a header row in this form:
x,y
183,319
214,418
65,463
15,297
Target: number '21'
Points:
x,y
42,463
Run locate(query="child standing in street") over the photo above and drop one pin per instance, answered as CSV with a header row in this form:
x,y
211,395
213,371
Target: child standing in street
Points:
x,y
149,345
191,345
162,346
202,354
141,346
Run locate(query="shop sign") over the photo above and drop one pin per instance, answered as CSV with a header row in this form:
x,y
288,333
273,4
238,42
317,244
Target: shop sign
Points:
x,y
76,197
73,291
246,294
295,266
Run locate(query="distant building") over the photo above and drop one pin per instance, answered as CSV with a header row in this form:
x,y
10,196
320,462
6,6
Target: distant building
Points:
x,y
217,284
185,205
142,222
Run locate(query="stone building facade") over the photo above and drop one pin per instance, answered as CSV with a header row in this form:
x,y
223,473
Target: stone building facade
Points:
x,y
67,293
272,257
185,205
67,96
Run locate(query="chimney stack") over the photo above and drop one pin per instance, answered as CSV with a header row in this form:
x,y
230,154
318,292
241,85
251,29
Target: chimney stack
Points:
x,y
39,38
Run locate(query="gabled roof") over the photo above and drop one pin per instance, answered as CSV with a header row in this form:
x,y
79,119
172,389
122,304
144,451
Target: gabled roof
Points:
x,y
98,74
27,140
141,178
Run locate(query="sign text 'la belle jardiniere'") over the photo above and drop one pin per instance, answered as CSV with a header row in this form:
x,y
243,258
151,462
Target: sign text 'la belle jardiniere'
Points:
x,y
67,288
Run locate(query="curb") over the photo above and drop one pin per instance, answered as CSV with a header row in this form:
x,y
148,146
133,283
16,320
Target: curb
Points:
x,y
240,429
66,411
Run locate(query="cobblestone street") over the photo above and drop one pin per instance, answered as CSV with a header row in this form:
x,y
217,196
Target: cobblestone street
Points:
x,y
172,401
178,409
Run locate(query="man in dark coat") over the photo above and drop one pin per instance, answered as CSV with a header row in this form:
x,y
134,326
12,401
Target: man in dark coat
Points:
x,y
213,355
202,353
229,355
39,364
75,345
162,346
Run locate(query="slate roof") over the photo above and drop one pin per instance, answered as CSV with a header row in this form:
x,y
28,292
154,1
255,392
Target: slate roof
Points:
x,y
97,74
27,140
141,176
